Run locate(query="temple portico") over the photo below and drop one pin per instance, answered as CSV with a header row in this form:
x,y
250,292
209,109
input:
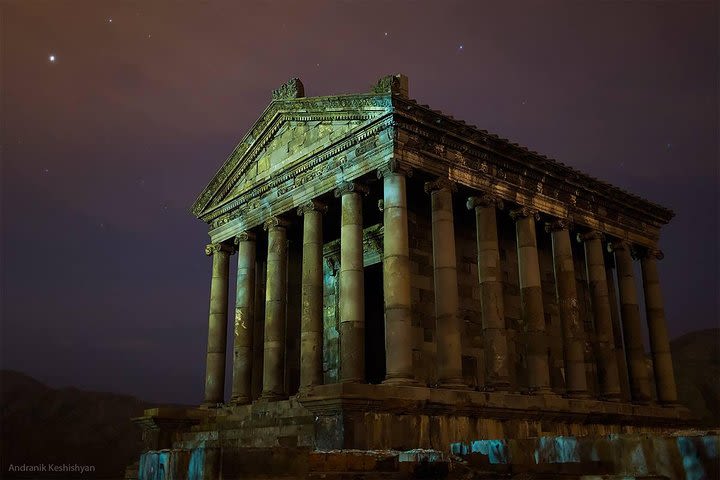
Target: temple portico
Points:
x,y
405,280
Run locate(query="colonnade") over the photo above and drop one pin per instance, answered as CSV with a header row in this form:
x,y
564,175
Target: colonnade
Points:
x,y
397,300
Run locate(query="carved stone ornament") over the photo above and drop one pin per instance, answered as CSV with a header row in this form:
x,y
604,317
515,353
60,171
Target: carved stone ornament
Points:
x,y
486,200
559,224
439,184
396,167
393,84
591,235
617,245
293,88
244,237
655,253
311,206
349,187
275,222
213,248
524,212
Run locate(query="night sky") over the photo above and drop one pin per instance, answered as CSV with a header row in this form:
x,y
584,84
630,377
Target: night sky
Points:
x,y
105,146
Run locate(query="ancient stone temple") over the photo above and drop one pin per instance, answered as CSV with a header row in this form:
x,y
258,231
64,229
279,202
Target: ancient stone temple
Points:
x,y
405,280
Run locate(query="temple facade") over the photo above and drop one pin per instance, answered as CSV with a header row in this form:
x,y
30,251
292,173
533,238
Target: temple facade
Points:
x,y
406,280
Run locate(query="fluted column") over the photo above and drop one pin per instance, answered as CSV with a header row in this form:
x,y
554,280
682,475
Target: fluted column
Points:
x,y
447,320
573,331
632,329
657,328
497,369
217,323
352,287
533,314
275,310
311,322
244,315
396,275
604,340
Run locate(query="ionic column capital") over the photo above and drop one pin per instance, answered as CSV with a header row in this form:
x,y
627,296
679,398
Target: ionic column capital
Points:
x,y
350,187
524,212
213,248
275,222
559,224
619,245
591,235
311,206
485,200
243,237
441,183
394,166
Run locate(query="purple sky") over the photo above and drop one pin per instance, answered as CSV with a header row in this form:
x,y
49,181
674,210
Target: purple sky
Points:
x,y
104,279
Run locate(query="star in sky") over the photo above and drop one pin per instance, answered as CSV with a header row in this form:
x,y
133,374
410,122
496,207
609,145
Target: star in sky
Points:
x,y
52,58
461,47
109,20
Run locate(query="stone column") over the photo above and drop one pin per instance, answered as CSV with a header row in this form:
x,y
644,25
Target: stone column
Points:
x,y
573,331
244,315
497,370
447,321
352,283
632,333
533,314
396,275
604,339
617,331
217,324
275,310
311,322
659,344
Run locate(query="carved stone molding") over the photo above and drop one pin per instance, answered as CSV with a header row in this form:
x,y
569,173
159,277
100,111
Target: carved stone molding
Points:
x,y
591,235
293,88
213,248
559,224
244,237
312,206
486,200
524,212
275,222
614,245
394,166
439,184
655,253
349,187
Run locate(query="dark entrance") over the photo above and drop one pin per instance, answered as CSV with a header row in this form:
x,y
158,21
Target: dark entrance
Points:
x,y
374,325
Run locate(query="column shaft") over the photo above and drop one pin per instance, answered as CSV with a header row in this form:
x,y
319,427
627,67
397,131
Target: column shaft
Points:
x,y
497,369
396,277
311,327
533,314
604,340
573,331
447,320
217,324
275,311
352,285
244,315
632,329
659,343
622,367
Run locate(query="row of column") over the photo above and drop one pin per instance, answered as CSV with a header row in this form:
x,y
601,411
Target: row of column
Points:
x,y
396,291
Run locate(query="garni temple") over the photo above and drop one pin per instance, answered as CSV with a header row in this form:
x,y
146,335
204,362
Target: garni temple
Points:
x,y
412,289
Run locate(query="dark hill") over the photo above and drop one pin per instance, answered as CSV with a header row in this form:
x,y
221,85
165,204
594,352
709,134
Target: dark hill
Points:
x,y
696,360
43,425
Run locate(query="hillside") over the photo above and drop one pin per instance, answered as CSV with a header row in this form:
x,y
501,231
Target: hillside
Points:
x,y
696,360
42,425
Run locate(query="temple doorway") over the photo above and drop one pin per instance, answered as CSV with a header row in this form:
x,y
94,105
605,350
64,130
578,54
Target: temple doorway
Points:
x,y
374,324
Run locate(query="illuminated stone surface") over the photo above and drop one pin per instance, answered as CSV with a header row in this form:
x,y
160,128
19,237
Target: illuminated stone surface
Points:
x,y
350,315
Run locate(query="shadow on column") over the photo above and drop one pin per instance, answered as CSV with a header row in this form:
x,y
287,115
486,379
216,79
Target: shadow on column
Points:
x,y
374,325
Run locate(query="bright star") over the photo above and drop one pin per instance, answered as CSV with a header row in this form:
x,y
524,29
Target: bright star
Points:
x,y
461,47
110,20
52,58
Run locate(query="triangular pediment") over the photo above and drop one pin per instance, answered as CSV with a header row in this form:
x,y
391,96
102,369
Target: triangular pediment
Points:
x,y
278,141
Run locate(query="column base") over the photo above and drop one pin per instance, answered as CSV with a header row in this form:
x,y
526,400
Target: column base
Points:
x,y
400,381
211,405
240,400
272,396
